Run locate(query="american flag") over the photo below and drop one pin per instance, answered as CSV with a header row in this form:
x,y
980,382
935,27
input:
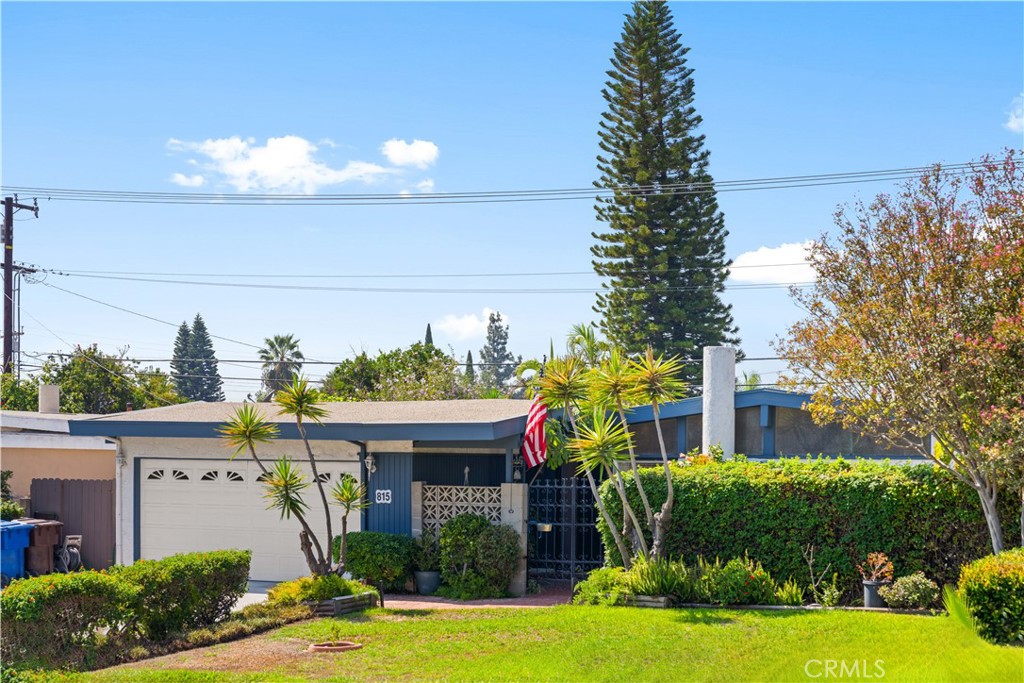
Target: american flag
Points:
x,y
535,444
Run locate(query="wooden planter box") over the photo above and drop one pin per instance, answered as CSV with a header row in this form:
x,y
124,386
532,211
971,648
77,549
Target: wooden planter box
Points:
x,y
658,601
345,604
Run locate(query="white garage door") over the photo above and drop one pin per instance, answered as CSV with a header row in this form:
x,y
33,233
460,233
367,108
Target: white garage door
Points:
x,y
193,505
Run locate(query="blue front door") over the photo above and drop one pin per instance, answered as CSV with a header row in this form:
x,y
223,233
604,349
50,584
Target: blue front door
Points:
x,y
390,494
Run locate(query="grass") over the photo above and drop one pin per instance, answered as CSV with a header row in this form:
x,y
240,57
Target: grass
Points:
x,y
601,644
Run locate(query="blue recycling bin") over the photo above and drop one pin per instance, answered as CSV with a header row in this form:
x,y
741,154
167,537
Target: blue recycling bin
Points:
x,y
14,538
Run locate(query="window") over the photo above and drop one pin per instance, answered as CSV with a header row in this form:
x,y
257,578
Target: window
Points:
x,y
264,477
748,431
797,434
324,477
156,475
234,476
179,475
212,475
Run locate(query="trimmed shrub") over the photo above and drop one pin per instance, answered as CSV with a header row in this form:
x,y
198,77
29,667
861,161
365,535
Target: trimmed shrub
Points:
x,y
384,560
478,559
909,592
790,593
920,516
51,620
314,589
743,582
993,588
189,590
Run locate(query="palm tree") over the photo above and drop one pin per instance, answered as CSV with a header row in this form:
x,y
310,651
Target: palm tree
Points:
x,y
657,381
282,361
350,495
283,483
583,343
613,384
299,400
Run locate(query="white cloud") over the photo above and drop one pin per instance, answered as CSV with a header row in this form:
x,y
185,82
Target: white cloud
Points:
x,y
283,164
463,327
418,153
1015,121
783,264
426,185
188,180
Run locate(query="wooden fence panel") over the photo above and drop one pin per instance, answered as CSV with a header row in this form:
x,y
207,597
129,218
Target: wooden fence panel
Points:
x,y
86,506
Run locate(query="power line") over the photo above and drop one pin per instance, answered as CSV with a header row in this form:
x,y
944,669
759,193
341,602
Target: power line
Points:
x,y
489,196
347,276
413,290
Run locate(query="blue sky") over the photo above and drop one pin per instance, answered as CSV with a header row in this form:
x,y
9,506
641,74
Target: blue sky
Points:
x,y
500,96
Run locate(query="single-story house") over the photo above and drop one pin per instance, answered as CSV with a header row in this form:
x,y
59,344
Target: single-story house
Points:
x,y
180,489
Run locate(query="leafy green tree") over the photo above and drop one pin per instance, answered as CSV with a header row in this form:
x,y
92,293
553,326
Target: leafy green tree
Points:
x,y
663,250
282,362
497,362
183,371
18,394
913,326
419,372
207,385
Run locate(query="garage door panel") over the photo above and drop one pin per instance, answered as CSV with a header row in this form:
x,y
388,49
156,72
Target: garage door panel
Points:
x,y
187,506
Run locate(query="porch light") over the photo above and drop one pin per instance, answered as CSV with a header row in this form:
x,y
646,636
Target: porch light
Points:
x,y
371,466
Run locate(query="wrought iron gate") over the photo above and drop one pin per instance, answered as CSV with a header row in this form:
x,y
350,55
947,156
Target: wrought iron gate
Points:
x,y
564,542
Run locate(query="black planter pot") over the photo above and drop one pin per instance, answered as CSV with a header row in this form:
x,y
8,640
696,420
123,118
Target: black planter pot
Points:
x,y
871,596
427,582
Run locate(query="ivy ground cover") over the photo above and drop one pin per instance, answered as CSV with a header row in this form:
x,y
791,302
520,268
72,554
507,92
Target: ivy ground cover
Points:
x,y
574,643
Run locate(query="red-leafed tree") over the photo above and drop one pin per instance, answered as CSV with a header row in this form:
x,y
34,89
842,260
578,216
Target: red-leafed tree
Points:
x,y
913,333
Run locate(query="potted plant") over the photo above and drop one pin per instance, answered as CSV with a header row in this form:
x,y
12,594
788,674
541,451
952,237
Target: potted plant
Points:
x,y
427,560
874,573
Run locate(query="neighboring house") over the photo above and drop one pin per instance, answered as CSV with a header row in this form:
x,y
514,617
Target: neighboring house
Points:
x,y
39,446
768,424
423,462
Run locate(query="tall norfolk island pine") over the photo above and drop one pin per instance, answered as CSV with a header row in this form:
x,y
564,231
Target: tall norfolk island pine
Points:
x,y
664,247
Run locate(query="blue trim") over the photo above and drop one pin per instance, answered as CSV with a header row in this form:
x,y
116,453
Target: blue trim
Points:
x,y
327,432
137,505
681,435
768,431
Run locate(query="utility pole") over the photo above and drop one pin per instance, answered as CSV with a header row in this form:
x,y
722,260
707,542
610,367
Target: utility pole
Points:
x,y
10,206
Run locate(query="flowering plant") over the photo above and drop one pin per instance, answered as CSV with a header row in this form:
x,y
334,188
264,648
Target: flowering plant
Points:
x,y
876,568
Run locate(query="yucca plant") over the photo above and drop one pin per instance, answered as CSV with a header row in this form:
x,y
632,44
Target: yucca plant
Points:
x,y
658,382
600,446
614,384
350,495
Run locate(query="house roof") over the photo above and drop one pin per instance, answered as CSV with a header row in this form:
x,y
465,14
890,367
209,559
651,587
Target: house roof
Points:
x,y
462,420
30,420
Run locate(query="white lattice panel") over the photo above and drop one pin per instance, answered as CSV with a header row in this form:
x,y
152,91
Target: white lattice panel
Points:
x,y
441,503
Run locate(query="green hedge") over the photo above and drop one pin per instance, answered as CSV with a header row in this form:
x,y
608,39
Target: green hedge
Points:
x,y
185,591
478,559
993,588
921,517
384,560
51,620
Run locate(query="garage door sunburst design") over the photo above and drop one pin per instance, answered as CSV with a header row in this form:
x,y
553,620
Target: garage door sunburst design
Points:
x,y
441,503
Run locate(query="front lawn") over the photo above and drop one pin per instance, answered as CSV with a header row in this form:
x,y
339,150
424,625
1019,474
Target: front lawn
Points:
x,y
601,644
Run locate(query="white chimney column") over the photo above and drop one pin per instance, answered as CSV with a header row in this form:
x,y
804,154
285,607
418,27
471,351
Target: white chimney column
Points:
x,y
49,398
719,419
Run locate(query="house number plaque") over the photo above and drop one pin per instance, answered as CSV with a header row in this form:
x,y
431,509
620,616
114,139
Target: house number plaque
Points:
x,y
383,496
